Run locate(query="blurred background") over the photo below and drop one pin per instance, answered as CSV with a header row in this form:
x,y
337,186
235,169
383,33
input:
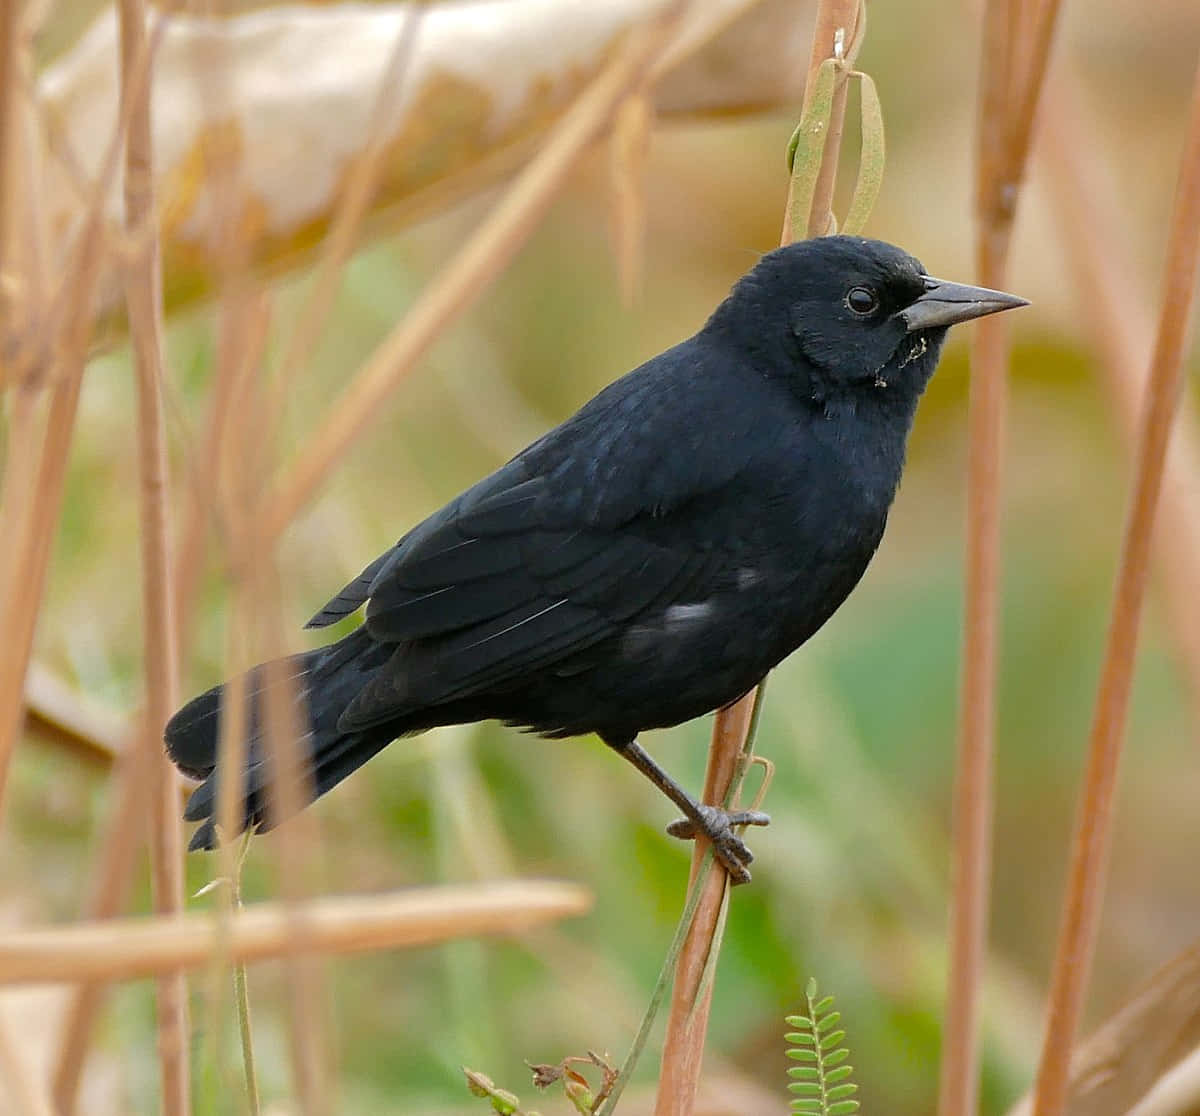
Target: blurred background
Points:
x,y
851,879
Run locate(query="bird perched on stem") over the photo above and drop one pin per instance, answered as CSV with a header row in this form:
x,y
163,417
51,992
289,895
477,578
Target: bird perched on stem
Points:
x,y
645,562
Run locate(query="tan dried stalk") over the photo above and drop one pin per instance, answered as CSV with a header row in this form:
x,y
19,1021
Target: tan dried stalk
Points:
x,y
1016,45
10,76
477,264
691,996
1081,914
112,881
348,219
23,1086
1152,1032
833,17
132,948
687,1024
143,296
972,818
30,510
1115,307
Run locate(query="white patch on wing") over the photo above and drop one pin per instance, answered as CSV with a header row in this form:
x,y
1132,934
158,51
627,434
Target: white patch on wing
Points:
x,y
748,578
678,615
663,632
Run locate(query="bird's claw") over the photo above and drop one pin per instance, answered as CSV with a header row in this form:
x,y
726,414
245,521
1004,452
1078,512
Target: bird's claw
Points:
x,y
718,826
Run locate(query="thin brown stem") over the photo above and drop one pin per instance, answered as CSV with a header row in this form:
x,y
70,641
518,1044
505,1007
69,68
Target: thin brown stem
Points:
x,y
10,76
1114,305
1016,44
23,1087
691,997
30,512
133,948
348,220
972,818
143,294
112,880
687,1023
465,277
1081,914
834,18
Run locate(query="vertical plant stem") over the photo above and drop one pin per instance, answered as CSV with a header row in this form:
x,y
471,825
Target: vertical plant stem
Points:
x,y
1115,305
10,75
833,16
31,508
17,1078
143,293
687,1024
112,879
1081,914
972,819
691,994
1016,46
478,262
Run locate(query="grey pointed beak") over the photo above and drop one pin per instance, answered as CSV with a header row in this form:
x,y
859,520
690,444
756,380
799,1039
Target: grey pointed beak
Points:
x,y
944,304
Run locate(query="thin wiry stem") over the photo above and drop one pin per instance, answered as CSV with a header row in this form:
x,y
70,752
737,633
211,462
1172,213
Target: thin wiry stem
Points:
x,y
30,510
834,17
348,220
465,277
112,880
1115,306
972,820
1081,914
1016,46
687,1024
691,996
143,293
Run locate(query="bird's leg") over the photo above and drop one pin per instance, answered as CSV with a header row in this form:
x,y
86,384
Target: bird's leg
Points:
x,y
700,819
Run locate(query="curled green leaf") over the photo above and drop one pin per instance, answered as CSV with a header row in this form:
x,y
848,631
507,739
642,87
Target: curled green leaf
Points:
x,y
807,147
871,158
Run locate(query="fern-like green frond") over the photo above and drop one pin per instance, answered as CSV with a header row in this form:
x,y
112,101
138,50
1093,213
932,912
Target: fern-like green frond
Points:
x,y
822,1082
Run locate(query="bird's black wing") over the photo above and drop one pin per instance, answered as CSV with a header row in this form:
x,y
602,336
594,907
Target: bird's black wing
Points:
x,y
556,551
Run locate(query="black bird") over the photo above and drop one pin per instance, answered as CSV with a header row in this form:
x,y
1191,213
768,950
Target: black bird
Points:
x,y
647,561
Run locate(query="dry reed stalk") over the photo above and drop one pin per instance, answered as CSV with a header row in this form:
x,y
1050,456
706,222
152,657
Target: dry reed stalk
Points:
x,y
143,296
24,1087
244,464
10,153
833,17
687,1024
241,348
972,816
691,999
1016,45
347,221
477,263
1152,1033
111,882
30,513
1115,307
132,948
1081,913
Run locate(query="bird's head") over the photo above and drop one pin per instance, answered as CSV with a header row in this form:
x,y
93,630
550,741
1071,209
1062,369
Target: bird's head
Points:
x,y
846,315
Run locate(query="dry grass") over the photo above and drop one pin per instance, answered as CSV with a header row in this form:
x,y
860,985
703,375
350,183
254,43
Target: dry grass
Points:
x,y
1093,833
1015,47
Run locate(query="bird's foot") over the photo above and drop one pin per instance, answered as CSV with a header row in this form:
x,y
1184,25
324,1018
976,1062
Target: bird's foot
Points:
x,y
718,826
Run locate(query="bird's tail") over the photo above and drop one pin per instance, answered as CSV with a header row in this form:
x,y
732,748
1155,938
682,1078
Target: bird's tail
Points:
x,y
323,682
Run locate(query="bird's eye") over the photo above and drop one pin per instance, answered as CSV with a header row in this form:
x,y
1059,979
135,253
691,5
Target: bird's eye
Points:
x,y
862,300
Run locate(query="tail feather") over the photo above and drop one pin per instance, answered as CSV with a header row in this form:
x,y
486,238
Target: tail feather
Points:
x,y
324,682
